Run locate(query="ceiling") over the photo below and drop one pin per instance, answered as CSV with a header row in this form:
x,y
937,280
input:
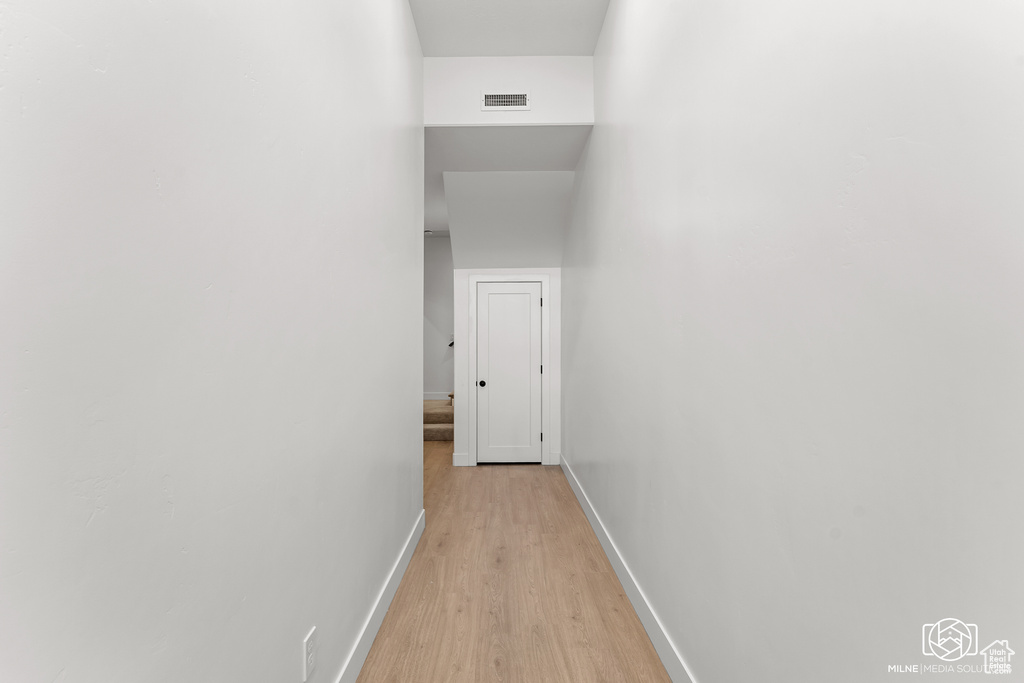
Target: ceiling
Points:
x,y
508,187
501,28
492,148
508,219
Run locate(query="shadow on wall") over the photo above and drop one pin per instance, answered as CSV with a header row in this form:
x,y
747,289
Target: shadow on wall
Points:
x,y
438,318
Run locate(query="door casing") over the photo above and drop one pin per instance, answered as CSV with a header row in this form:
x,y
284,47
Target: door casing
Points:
x,y
466,281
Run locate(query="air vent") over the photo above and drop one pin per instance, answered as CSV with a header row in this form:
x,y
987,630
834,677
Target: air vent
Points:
x,y
505,101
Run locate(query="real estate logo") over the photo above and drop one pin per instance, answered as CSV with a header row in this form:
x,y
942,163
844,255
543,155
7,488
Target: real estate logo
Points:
x,y
997,657
951,640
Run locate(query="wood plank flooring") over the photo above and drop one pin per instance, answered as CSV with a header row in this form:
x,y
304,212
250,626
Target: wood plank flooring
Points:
x,y
508,584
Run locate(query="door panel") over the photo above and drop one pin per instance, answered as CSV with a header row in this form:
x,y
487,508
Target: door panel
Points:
x,y
508,364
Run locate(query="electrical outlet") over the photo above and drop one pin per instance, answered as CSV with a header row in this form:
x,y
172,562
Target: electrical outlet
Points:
x,y
309,654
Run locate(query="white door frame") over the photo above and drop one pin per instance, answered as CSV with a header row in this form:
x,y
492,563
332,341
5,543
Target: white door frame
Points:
x,y
465,405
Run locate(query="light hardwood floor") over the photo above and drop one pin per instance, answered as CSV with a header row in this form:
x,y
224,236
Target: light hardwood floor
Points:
x,y
508,583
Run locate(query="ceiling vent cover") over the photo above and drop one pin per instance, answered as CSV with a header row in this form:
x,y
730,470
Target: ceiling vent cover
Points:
x,y
505,101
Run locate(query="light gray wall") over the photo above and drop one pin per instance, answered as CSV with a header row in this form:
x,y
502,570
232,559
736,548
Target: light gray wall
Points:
x,y
793,342
511,219
197,410
561,89
438,317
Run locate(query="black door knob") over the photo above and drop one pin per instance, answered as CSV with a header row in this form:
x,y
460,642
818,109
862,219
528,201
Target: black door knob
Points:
x,y
482,383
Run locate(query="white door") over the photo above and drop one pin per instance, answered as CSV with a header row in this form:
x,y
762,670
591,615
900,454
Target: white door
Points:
x,y
508,372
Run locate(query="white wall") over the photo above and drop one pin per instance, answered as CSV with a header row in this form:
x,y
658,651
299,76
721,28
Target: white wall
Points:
x,y
508,219
211,287
561,90
438,318
494,148
793,341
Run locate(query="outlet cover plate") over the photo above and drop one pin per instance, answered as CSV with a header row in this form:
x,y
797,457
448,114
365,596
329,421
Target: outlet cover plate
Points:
x,y
309,654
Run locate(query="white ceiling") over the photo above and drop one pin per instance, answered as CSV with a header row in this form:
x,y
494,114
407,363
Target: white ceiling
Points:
x,y
493,148
509,219
501,28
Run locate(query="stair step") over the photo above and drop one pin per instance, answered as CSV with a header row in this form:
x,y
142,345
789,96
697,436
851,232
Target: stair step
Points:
x,y
438,432
437,413
438,417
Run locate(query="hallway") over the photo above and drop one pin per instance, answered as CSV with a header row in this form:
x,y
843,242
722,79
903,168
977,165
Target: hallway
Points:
x,y
508,583
780,249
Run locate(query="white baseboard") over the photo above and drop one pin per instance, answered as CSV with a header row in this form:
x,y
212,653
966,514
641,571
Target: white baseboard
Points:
x,y
435,395
354,663
670,656
553,459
